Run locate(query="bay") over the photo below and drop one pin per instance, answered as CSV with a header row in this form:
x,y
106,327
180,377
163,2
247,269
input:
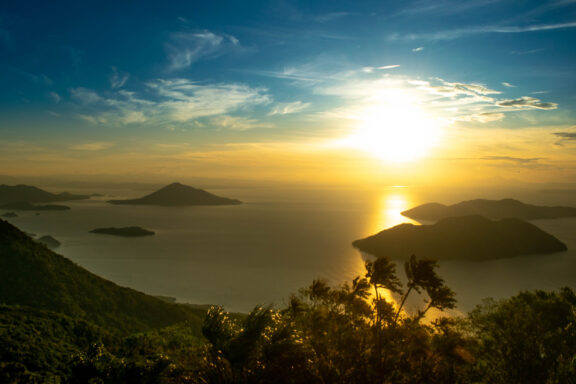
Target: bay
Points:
x,y
260,252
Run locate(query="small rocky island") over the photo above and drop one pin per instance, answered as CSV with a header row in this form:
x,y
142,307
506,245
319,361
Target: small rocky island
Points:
x,y
49,242
464,238
9,215
125,231
493,209
177,194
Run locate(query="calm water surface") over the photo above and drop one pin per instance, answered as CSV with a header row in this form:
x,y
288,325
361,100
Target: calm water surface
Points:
x,y
279,241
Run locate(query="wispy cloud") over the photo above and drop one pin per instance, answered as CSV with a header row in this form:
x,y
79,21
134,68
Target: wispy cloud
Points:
x,y
485,117
527,102
565,137
238,123
508,85
417,49
463,32
93,146
54,97
442,7
288,108
184,100
520,161
333,16
117,79
166,101
85,96
186,48
382,68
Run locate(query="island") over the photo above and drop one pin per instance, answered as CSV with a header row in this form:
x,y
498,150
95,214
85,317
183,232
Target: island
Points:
x,y
49,242
9,215
26,206
30,194
177,194
493,209
125,231
464,238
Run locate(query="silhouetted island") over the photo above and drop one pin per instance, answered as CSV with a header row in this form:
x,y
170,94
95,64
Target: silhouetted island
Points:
x,y
30,194
49,241
177,194
9,215
494,209
466,238
125,231
25,206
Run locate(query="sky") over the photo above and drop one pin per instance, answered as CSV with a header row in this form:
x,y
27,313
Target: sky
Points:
x,y
393,92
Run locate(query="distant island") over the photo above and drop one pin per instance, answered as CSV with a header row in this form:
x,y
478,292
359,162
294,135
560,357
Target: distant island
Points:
x,y
177,194
465,238
49,241
30,194
25,206
9,215
493,209
125,231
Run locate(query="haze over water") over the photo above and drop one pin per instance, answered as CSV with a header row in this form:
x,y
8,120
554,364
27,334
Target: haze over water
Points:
x,y
279,241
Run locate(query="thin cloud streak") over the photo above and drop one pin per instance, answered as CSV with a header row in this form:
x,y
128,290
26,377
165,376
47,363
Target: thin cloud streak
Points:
x,y
459,33
184,49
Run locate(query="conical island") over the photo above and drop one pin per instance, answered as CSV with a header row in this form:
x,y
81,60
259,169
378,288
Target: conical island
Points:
x,y
177,194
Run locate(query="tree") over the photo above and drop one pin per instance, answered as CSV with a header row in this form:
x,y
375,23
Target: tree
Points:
x,y
528,338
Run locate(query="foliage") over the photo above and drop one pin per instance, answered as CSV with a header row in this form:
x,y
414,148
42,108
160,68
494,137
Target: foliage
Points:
x,y
36,343
343,335
529,338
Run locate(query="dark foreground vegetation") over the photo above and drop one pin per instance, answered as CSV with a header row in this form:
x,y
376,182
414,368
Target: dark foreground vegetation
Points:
x,y
347,334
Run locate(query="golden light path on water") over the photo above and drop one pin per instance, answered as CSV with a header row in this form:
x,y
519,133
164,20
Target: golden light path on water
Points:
x,y
390,204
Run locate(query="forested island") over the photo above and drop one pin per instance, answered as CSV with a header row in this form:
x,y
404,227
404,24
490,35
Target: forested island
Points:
x,y
493,209
463,238
124,231
177,194
61,323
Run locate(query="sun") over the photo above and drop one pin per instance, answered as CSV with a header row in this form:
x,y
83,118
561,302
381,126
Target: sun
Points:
x,y
396,131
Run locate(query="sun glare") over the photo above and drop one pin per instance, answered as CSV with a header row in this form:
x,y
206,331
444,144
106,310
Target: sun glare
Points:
x,y
397,132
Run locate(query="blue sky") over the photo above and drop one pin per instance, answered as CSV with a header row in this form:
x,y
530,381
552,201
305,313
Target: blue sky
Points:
x,y
199,85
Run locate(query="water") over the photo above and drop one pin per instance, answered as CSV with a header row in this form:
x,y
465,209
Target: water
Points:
x,y
279,241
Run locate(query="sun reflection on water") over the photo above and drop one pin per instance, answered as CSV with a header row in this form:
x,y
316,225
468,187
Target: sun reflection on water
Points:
x,y
388,208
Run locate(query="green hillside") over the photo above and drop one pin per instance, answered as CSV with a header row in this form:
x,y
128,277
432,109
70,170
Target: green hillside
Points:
x,y
34,276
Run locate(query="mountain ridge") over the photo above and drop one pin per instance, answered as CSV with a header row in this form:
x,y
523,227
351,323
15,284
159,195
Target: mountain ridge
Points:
x,y
493,209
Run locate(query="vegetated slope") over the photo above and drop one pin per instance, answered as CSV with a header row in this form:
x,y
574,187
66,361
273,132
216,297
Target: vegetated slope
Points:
x,y
466,237
30,194
177,194
493,209
32,275
35,341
